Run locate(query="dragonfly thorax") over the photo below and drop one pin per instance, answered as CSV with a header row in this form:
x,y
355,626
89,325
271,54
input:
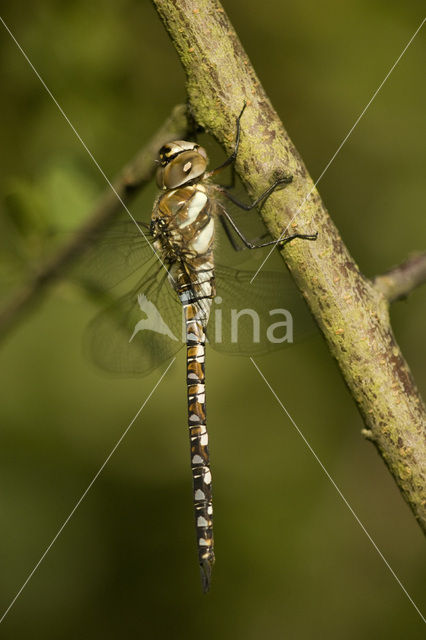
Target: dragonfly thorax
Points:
x,y
181,162
183,224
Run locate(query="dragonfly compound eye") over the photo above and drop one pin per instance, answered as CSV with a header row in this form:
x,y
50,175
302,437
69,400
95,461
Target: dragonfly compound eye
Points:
x,y
180,165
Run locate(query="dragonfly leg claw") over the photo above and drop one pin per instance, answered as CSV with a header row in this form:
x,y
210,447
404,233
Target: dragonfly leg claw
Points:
x,y
302,236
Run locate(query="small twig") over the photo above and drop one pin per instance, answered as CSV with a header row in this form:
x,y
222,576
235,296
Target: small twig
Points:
x,y
137,173
398,282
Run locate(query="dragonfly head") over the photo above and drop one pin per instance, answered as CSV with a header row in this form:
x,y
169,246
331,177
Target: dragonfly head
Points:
x,y
180,162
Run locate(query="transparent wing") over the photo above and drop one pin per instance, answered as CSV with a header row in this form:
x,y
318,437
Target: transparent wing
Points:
x,y
114,254
252,318
138,331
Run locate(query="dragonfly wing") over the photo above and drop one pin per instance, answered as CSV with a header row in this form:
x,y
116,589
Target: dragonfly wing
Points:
x,y
253,318
137,331
114,254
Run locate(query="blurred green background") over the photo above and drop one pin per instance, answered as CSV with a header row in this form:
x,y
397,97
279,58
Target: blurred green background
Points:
x,y
291,560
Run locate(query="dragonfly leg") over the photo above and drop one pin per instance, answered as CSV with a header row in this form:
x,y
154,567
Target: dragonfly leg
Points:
x,y
302,236
229,235
224,188
234,244
231,185
226,218
233,155
248,207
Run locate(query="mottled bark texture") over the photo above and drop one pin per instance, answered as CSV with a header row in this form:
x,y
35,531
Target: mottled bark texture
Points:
x,y
351,312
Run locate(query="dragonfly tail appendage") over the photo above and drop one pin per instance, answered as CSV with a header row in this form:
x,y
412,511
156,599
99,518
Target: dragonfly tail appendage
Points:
x,y
200,463
206,572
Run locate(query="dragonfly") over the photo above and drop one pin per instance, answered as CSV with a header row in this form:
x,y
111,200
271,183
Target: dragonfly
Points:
x,y
172,304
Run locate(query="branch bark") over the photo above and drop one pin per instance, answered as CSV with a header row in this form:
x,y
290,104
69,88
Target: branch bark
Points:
x,y
398,282
135,175
351,311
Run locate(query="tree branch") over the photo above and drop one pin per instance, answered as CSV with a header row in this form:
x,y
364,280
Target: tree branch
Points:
x,y
135,175
398,282
351,312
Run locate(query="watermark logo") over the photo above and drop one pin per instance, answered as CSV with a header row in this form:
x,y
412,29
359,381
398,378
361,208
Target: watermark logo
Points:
x,y
275,326
153,320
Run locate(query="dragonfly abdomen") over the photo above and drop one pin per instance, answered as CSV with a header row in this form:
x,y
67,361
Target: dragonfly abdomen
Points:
x,y
200,462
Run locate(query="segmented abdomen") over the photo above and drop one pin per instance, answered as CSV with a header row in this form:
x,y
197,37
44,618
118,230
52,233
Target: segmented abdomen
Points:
x,y
200,463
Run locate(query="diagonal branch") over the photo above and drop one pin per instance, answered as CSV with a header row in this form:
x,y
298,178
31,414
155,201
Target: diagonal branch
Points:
x,y
351,312
135,175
